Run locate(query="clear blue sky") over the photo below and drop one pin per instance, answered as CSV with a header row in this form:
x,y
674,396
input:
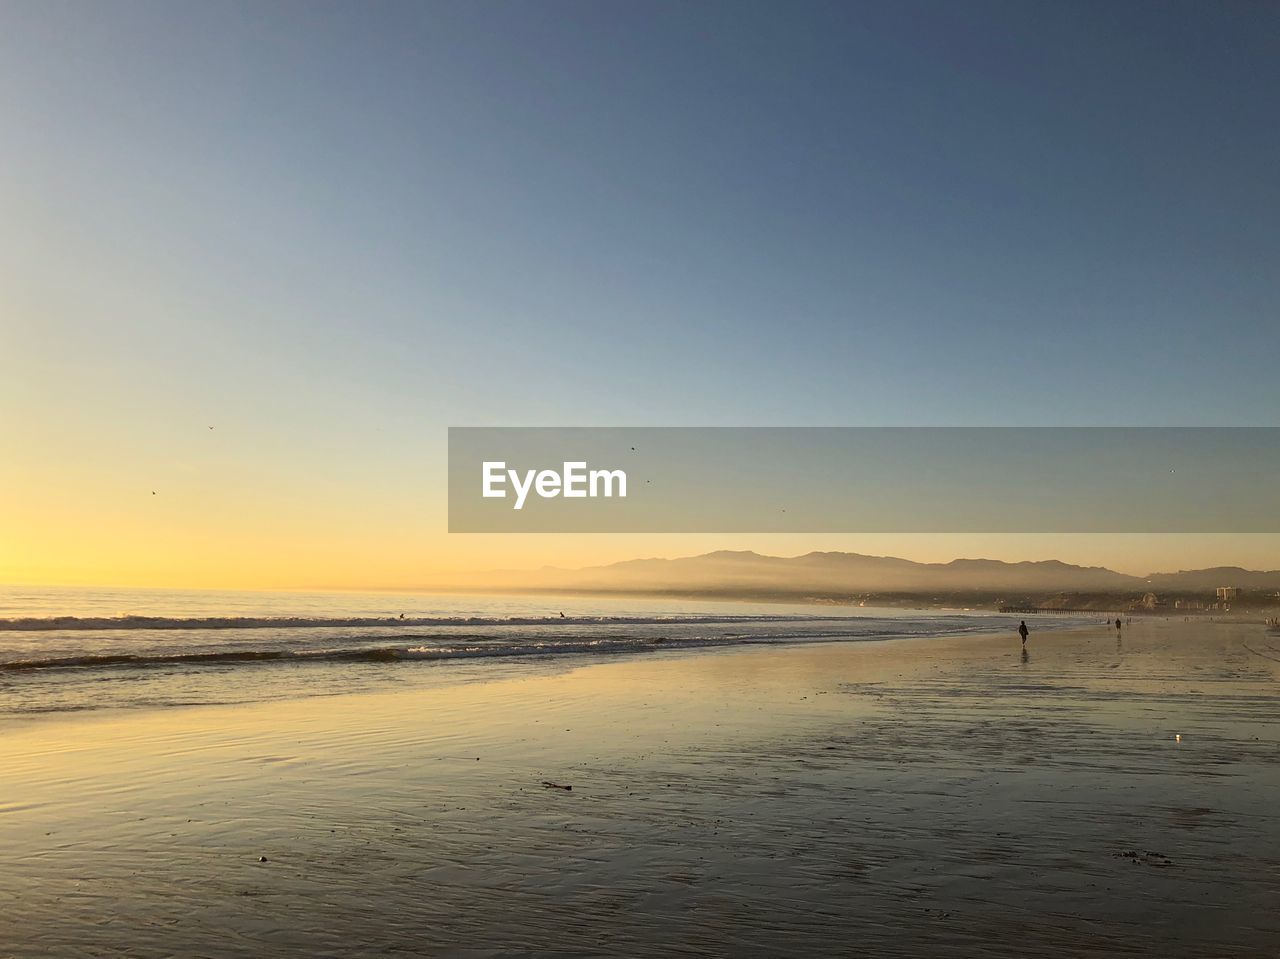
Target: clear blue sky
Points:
x,y
339,228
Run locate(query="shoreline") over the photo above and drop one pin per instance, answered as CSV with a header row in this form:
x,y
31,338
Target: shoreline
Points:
x,y
982,601
466,669
891,797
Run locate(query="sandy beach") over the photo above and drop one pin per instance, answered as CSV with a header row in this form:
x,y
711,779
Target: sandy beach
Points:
x,y
902,798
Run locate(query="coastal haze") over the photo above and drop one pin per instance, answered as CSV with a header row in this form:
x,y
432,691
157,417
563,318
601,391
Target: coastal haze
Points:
x,y
854,578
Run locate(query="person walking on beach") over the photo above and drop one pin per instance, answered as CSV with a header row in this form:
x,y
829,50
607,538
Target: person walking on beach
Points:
x,y
1023,631
1117,622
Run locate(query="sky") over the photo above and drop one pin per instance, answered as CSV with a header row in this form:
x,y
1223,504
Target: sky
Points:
x,y
257,257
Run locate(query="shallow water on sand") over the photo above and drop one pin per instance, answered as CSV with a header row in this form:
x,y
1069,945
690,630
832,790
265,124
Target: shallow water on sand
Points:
x,y
906,798
69,650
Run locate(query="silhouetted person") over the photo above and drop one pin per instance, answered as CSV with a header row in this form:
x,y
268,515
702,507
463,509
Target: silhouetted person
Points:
x,y
1023,631
1117,622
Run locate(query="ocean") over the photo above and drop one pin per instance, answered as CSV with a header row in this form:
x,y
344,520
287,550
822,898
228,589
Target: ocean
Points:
x,y
71,649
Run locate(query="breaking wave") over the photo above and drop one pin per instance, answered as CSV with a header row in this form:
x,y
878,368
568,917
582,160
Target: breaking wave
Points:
x,y
370,654
91,623
470,647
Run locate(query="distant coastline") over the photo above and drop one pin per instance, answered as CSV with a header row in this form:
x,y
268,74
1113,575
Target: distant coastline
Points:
x,y
852,579
1249,608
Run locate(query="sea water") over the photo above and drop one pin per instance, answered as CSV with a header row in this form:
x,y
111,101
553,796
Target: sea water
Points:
x,y
66,649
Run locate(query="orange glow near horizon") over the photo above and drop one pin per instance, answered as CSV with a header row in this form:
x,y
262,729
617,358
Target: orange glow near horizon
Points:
x,y
151,496
163,541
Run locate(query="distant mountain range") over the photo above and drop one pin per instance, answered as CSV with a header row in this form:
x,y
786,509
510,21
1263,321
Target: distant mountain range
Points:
x,y
834,575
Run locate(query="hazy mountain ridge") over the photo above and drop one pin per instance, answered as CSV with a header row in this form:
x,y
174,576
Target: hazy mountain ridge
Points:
x,y
829,574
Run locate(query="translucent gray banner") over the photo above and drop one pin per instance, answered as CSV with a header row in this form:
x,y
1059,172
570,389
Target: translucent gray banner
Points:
x,y
864,479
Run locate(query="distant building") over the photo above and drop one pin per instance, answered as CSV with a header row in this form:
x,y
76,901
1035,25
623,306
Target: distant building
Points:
x,y
1188,604
1227,593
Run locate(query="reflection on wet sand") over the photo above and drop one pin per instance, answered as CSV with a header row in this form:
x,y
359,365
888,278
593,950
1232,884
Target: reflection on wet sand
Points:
x,y
913,798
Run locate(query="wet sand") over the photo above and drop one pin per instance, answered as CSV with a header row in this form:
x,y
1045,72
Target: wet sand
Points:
x,y
904,798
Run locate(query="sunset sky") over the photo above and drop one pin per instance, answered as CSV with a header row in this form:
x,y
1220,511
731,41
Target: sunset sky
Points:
x,y
258,257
